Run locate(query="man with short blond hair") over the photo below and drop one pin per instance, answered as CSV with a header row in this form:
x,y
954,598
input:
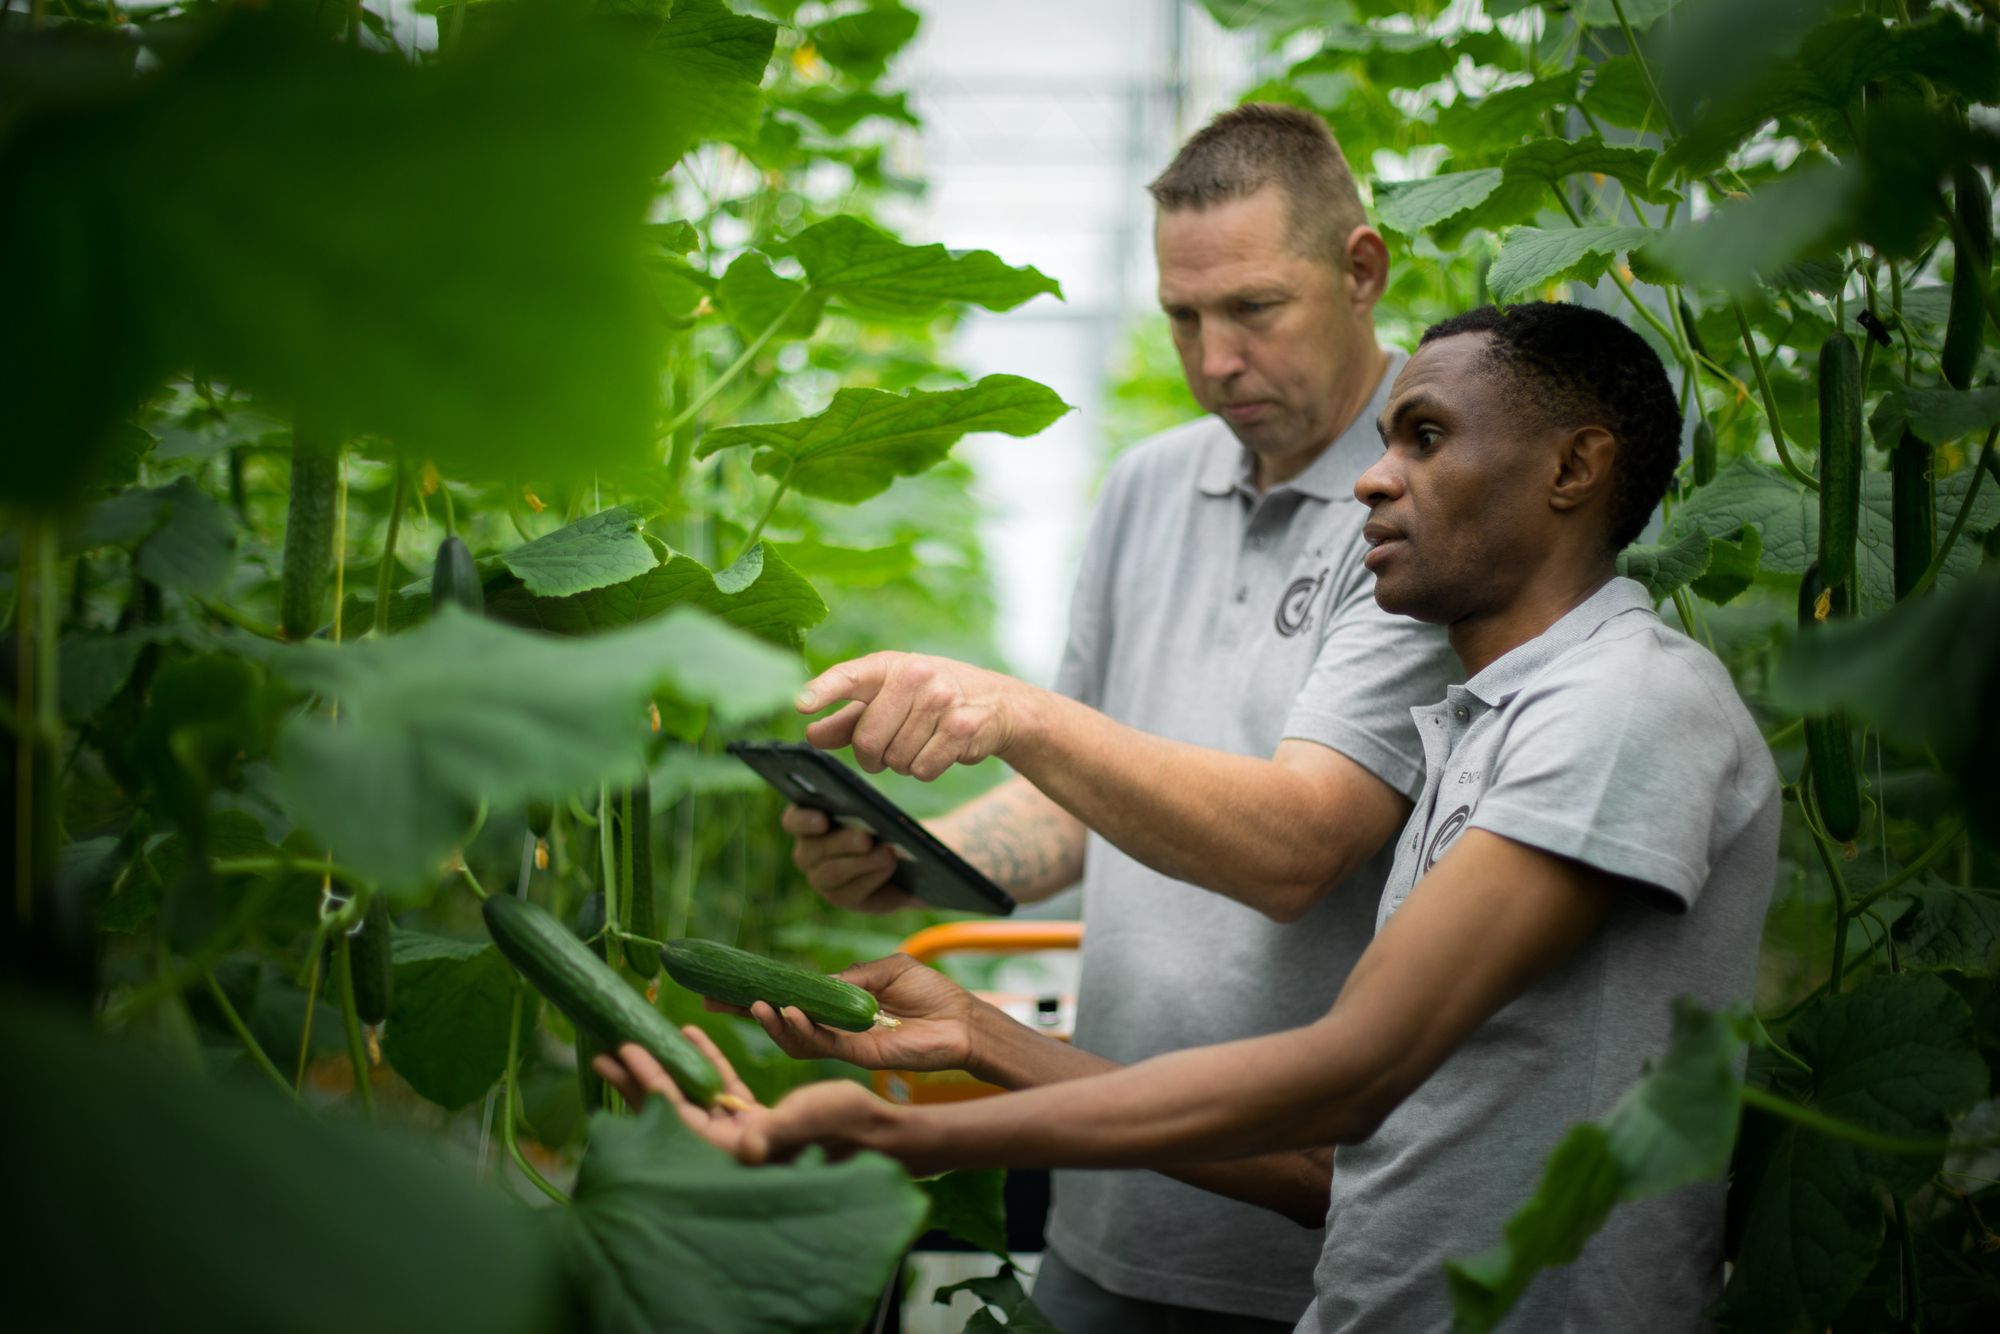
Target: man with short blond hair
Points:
x,y
1228,748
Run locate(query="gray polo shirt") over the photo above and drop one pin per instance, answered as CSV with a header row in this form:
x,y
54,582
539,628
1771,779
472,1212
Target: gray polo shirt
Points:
x,y
1616,741
1211,615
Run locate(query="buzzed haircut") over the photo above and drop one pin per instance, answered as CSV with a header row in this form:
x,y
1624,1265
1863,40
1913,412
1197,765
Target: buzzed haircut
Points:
x,y
1573,366
1257,144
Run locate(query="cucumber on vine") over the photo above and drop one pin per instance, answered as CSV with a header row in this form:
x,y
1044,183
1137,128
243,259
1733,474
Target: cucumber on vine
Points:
x,y
593,997
1965,323
1835,782
587,924
1704,453
1913,510
455,578
738,977
1839,458
309,525
373,964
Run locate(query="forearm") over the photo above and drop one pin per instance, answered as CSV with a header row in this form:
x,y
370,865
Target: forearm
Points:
x,y
1014,1056
1250,828
1293,1090
1018,838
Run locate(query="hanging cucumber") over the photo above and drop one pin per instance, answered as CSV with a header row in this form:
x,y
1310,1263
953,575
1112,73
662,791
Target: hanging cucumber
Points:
x,y
309,526
641,915
1836,789
589,921
1913,506
1839,458
1704,453
594,998
454,578
373,963
738,977
1965,324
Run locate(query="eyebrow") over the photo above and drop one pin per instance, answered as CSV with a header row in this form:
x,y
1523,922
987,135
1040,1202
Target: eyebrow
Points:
x,y
1264,294
1409,407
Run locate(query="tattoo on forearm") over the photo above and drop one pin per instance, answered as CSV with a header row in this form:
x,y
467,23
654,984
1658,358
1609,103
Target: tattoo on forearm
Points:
x,y
1019,839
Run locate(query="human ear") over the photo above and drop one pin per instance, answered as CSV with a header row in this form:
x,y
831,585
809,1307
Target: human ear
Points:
x,y
1366,257
1584,462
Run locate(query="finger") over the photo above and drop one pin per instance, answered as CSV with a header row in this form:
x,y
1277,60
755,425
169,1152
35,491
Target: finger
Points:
x,y
832,732
876,975
649,1073
808,854
804,822
857,678
849,883
722,1007
732,1083
620,1078
917,735
788,1039
887,714
941,750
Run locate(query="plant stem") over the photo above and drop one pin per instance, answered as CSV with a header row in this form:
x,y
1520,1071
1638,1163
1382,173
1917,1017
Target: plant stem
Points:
x,y
1841,915
228,615
350,1019
1632,46
471,879
510,1106
251,1046
173,981
1902,877
312,1005
736,367
607,873
1770,401
1834,1128
1964,512
1913,1313
784,483
397,495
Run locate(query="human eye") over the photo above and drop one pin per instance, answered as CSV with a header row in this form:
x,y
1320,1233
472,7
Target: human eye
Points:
x,y
1428,436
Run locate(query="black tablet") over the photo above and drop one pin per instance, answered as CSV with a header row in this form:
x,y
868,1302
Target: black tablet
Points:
x,y
930,870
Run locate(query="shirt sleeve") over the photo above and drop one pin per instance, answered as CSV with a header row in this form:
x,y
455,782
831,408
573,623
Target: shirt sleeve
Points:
x,y
1373,668
1081,673
1622,768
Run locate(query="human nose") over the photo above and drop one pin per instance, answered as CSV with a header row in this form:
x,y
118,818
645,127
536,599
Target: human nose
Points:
x,y
1380,482
1221,354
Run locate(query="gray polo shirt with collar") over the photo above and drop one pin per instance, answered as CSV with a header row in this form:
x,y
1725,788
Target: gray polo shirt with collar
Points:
x,y
1621,743
1212,615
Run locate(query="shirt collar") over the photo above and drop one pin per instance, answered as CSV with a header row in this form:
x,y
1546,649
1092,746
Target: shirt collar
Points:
x,y
1506,675
1228,468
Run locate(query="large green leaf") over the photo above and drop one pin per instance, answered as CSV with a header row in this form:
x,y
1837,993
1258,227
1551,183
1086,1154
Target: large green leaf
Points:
x,y
760,593
447,1030
1616,93
597,550
668,1233
1804,213
753,299
866,438
463,710
862,42
1893,1055
1531,258
1675,1126
1549,162
236,1212
871,271
1937,415
1000,1292
1501,120
971,1206
1410,207
838,112
710,61
1668,566
1949,927
454,263
1833,64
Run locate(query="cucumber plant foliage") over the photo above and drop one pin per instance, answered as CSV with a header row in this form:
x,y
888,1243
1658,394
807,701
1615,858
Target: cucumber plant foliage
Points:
x,y
377,531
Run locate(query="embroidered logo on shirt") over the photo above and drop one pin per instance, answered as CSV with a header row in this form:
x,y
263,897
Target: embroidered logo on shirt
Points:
x,y
1295,607
1447,831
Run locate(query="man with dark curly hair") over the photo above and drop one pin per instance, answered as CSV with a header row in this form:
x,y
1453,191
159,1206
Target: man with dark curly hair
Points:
x,y
1596,836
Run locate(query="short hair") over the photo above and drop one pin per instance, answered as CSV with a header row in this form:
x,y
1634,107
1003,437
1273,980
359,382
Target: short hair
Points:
x,y
1260,143
1575,366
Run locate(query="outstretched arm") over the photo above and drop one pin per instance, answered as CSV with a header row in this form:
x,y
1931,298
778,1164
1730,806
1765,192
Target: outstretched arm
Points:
x,y
1275,834
1485,924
